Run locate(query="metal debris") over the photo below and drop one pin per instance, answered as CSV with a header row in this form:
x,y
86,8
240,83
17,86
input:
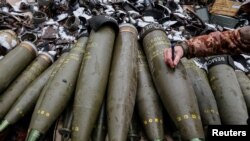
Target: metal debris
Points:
x,y
51,19
54,25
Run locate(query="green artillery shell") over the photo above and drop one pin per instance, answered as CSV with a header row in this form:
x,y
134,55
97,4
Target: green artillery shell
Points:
x,y
8,40
58,93
133,134
244,82
172,85
29,97
122,84
228,95
47,85
15,62
92,82
206,100
42,62
148,101
100,130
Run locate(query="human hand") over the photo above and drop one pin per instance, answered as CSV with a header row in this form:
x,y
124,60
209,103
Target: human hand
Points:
x,y
178,52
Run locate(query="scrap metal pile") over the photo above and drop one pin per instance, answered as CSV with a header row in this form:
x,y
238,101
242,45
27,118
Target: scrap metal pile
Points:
x,y
94,70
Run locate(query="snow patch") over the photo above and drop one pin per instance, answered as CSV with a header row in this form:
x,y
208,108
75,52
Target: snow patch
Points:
x,y
169,23
51,22
148,19
5,9
240,66
16,6
53,53
200,65
62,16
64,35
141,23
13,43
4,43
80,13
35,8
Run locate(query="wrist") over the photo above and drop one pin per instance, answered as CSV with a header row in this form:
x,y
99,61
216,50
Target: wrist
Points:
x,y
184,47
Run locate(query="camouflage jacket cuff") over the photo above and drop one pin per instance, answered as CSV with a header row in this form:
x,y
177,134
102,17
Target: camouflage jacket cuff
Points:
x,y
184,47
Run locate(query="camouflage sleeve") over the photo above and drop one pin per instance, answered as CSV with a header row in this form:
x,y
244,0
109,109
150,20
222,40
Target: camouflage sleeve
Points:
x,y
227,42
